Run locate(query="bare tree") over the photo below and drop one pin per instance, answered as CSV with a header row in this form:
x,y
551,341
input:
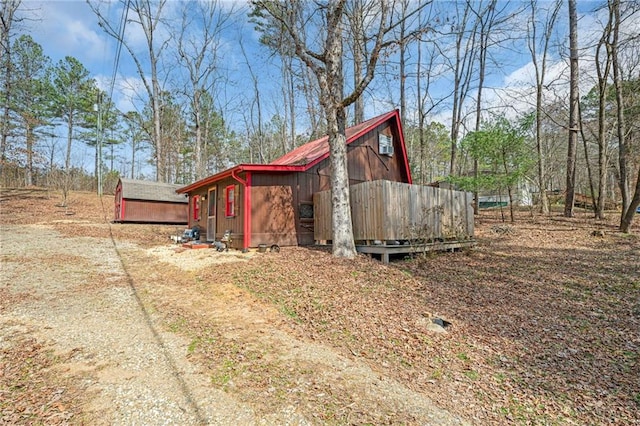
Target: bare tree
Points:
x,y
7,21
603,71
135,134
431,137
629,203
404,44
356,16
198,48
489,18
323,54
254,112
147,14
614,7
574,121
464,29
539,59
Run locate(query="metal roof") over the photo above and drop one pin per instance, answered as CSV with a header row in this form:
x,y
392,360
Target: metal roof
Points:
x,y
307,155
153,191
313,150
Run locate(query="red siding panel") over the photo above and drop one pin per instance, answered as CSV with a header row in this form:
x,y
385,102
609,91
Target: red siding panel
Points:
x,y
153,212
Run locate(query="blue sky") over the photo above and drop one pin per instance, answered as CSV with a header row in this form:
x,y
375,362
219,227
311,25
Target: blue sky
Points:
x,y
70,28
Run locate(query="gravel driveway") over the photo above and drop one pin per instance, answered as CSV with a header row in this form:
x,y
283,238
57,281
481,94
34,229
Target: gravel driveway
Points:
x,y
75,296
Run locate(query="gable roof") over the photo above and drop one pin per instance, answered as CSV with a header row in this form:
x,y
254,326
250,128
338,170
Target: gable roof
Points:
x,y
309,154
153,191
311,151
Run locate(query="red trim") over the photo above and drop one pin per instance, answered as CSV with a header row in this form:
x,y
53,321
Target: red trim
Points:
x,y
239,169
247,212
196,208
122,210
238,178
405,158
229,206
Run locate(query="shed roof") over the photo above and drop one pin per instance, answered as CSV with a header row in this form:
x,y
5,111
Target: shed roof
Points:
x,y
307,155
153,191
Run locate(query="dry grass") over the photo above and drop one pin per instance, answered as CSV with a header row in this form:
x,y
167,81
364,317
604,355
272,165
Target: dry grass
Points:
x,y
545,314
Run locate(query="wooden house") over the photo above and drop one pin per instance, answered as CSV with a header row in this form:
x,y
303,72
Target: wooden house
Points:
x,y
273,203
149,202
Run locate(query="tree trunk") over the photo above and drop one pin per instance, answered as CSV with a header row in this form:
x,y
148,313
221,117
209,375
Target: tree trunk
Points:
x,y
9,8
627,217
332,86
403,52
511,213
464,54
421,117
67,159
481,74
602,71
573,112
30,140
133,160
357,18
623,148
544,200
161,160
343,243
594,202
541,73
602,153
199,151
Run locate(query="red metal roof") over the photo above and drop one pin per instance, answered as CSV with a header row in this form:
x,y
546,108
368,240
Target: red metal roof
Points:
x,y
319,148
307,155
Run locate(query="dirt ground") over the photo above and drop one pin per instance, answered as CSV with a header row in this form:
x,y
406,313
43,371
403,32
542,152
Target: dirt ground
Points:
x,y
112,324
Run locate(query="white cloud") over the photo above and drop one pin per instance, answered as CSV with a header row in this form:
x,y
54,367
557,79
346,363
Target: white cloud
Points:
x,y
66,28
129,93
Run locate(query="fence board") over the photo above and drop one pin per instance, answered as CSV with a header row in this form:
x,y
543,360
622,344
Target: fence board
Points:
x,y
384,210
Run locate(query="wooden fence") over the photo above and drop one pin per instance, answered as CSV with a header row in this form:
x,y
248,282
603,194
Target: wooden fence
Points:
x,y
394,211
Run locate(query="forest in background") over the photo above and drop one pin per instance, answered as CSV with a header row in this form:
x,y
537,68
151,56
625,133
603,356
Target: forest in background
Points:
x,y
441,72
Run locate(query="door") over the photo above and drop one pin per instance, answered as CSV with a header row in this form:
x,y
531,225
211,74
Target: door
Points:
x,y
211,215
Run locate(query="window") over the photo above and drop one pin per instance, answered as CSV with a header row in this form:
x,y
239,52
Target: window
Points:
x,y
196,207
305,210
385,144
230,205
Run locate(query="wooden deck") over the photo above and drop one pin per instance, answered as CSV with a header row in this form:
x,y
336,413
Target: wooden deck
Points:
x,y
386,250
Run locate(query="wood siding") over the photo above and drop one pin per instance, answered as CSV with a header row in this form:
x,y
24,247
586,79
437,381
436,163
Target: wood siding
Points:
x,y
384,210
274,198
366,163
152,212
233,223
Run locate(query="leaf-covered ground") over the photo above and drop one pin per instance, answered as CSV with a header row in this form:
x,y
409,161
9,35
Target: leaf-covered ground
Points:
x,y
545,318
32,390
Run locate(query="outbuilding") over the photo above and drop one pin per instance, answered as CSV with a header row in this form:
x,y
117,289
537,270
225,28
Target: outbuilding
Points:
x,y
149,202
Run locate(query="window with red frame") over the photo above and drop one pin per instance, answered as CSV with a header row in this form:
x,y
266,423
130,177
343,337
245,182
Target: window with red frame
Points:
x,y
196,207
230,201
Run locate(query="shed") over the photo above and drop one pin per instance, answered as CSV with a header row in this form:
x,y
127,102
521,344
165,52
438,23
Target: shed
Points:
x,y
149,202
273,203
